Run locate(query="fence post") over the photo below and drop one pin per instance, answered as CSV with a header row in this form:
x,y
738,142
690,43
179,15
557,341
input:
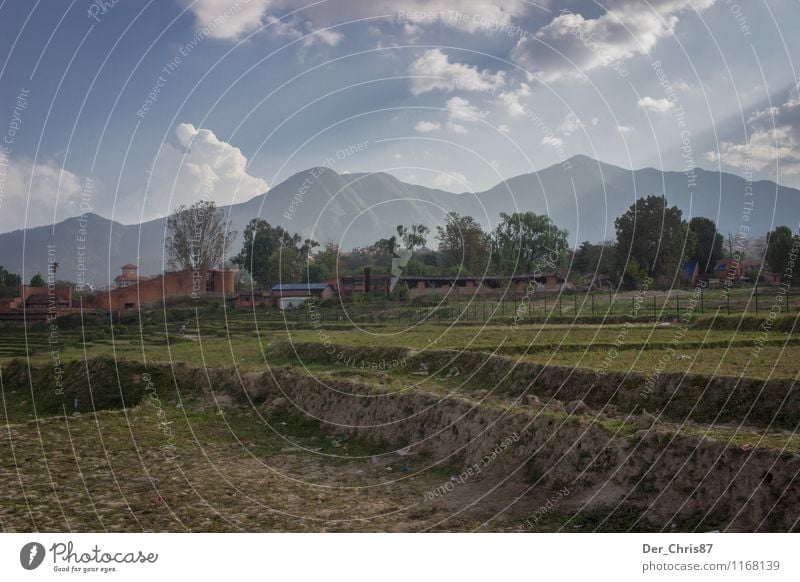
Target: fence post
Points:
x,y
592,296
756,294
655,311
728,300
677,307
545,305
559,305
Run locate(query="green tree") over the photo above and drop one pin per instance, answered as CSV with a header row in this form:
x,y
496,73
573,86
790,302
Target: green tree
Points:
x,y
779,247
199,237
710,243
413,237
595,258
463,245
10,283
283,265
261,240
522,239
653,239
37,280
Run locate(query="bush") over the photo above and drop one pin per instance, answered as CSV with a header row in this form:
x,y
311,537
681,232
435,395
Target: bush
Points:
x,y
748,322
429,300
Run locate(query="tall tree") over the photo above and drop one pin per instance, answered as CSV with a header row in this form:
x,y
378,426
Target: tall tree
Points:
x,y
199,237
262,244
653,239
779,247
710,243
10,283
37,280
413,237
463,245
595,258
522,241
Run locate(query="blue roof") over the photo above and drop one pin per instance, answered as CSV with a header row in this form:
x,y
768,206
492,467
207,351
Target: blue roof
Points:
x,y
300,287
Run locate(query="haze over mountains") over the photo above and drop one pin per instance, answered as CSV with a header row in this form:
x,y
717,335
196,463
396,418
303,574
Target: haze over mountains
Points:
x,y
582,195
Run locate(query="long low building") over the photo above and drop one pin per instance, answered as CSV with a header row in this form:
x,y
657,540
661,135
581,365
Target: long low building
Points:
x,y
489,285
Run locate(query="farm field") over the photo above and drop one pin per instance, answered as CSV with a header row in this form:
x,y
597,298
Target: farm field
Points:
x,y
326,426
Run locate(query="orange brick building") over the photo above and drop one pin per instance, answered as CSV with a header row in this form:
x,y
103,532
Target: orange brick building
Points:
x,y
170,285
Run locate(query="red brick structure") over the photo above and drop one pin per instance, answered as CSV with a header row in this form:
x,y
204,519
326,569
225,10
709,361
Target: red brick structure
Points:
x,y
38,303
348,285
129,276
489,285
250,299
170,285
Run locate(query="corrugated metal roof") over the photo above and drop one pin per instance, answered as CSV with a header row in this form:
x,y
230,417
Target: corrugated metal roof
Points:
x,y
300,287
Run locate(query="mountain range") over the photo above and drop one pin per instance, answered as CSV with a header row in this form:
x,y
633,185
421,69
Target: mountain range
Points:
x,y
581,194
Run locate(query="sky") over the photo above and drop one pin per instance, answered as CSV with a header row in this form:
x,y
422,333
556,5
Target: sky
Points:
x,y
130,108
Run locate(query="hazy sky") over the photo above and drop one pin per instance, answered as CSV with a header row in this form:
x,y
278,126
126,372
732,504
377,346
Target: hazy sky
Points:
x,y
135,107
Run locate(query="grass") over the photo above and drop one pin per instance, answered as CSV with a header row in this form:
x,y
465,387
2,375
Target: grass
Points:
x,y
639,347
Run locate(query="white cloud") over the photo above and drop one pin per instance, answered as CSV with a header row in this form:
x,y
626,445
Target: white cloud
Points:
x,y
202,167
511,99
323,36
571,44
427,126
49,192
625,129
656,105
228,19
774,140
552,141
233,19
450,180
459,109
503,128
485,16
433,70
570,125
456,127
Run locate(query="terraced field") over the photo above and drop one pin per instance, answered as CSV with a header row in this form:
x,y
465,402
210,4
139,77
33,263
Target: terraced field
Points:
x,y
225,421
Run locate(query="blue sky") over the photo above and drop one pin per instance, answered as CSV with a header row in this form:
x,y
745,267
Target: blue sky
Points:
x,y
132,108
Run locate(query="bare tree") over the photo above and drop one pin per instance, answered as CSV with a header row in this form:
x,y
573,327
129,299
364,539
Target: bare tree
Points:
x,y
199,237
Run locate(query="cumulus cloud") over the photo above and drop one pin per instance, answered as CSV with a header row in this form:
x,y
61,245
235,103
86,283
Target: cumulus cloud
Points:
x,y
484,16
459,109
233,19
427,126
228,19
656,105
773,141
456,127
49,193
433,70
450,180
513,99
570,125
552,141
202,167
625,129
571,44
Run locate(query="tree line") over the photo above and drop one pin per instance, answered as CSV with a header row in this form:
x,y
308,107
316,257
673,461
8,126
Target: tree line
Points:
x,y
652,240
